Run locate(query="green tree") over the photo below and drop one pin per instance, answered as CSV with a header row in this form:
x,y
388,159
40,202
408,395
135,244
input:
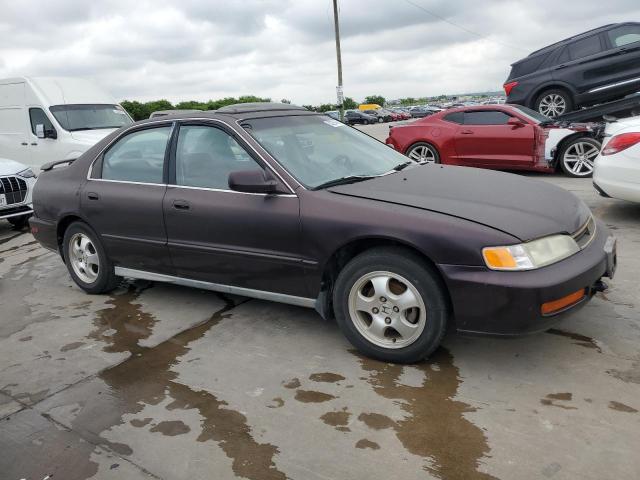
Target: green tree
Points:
x,y
379,99
287,101
349,103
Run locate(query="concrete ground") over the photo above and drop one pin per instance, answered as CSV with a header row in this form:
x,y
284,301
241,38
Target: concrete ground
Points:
x,y
167,382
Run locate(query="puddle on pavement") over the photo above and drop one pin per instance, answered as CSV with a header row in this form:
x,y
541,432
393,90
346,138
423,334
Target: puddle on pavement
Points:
x,y
311,396
628,376
434,426
326,377
552,399
366,443
338,419
146,378
71,346
293,383
621,407
581,340
376,421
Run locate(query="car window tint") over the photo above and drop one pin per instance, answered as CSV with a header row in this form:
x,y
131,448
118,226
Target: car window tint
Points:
x,y
455,117
624,35
138,157
205,156
585,47
527,66
563,57
37,116
488,117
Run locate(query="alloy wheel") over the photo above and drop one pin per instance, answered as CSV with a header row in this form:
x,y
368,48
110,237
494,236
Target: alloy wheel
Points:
x,y
552,105
387,309
84,258
579,158
423,154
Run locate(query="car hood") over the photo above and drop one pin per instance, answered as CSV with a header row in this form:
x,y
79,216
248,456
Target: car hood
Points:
x,y
10,167
91,137
522,207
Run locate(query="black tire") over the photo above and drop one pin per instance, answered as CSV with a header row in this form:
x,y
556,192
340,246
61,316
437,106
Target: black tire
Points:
x,y
19,222
380,119
423,278
563,94
106,279
434,151
591,145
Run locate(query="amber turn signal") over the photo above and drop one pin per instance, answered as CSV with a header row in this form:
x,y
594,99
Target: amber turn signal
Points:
x,y
562,303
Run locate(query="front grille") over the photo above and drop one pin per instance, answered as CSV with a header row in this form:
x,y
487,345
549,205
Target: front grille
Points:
x,y
586,233
14,189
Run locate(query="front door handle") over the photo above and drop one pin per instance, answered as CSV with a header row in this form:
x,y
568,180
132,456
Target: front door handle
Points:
x,y
466,132
24,143
92,196
181,204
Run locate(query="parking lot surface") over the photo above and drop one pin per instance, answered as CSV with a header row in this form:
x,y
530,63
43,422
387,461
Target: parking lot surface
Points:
x,y
160,381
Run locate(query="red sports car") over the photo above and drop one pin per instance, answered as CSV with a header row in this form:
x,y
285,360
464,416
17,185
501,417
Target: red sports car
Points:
x,y
508,137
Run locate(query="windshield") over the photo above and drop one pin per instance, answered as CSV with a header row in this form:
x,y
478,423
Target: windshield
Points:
x,y
90,117
316,149
532,114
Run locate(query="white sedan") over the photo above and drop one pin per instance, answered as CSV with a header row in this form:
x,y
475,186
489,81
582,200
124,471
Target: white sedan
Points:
x,y
16,184
617,169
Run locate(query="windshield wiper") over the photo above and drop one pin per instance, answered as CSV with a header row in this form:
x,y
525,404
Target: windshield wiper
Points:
x,y
402,166
344,181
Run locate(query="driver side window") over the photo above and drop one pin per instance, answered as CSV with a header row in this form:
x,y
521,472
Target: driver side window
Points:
x,y
205,156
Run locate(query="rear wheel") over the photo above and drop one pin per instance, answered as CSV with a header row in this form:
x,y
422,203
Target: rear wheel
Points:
x,y
423,152
380,119
577,157
554,102
87,261
391,305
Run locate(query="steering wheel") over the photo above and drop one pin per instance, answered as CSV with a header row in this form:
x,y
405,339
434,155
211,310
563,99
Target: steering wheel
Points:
x,y
342,161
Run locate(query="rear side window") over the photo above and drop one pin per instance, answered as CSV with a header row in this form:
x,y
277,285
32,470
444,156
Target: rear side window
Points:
x,y
585,47
489,117
527,66
138,157
38,117
455,117
624,35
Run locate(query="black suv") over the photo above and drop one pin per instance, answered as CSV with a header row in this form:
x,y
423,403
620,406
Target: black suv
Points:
x,y
353,117
594,67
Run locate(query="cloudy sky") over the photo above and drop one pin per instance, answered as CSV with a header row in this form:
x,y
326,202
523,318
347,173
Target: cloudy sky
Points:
x,y
202,49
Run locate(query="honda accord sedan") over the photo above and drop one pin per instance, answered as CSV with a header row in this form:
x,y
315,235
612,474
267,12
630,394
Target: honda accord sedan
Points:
x,y
274,202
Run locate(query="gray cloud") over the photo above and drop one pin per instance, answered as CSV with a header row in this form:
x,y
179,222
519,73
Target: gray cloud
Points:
x,y
201,49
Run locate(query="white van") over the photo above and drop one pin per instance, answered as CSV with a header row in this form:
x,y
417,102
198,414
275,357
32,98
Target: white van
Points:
x,y
48,119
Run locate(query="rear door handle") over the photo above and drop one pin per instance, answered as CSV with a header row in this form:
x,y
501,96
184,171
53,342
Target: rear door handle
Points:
x,y
466,132
181,204
92,196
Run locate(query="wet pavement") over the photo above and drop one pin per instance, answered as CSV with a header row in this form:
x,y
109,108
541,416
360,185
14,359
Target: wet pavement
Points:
x,y
159,381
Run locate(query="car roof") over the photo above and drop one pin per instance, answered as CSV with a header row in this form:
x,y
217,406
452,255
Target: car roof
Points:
x,y
481,108
239,111
588,33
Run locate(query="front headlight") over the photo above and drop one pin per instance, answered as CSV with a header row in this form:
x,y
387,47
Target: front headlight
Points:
x,y
530,255
26,173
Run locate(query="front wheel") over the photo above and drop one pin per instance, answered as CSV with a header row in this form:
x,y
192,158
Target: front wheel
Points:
x,y
391,305
87,260
577,157
380,119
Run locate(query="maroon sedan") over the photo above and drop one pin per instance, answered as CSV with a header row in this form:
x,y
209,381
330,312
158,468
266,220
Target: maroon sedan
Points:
x,y
278,203
508,137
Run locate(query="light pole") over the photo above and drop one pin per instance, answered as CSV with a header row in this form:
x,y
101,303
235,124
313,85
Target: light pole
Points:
x,y
339,92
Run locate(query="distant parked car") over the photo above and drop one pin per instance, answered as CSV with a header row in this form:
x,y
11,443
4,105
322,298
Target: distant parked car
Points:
x,y
353,117
16,185
593,67
509,137
617,168
401,113
335,114
421,112
380,115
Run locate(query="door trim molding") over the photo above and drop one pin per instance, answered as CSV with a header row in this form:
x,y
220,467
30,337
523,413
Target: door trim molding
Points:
x,y
216,287
612,85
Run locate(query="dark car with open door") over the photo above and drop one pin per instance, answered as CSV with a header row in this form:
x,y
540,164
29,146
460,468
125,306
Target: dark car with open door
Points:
x,y
272,201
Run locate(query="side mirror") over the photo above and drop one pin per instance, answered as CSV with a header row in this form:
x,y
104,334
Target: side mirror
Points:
x,y
51,133
40,130
515,122
252,181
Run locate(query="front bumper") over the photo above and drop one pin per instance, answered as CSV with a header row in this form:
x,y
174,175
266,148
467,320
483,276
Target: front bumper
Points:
x,y
16,211
509,303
